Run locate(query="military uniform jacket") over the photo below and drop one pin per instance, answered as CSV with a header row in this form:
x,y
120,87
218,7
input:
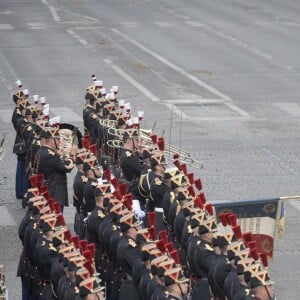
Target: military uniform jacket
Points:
x,y
46,255
55,172
131,164
78,189
204,256
158,188
93,224
217,274
89,201
127,254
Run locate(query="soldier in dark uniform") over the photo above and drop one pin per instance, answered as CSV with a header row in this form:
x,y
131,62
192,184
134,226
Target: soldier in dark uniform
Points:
x,y
17,117
93,223
261,286
221,267
90,118
128,253
201,256
29,222
176,284
132,164
93,172
78,188
54,168
46,255
158,188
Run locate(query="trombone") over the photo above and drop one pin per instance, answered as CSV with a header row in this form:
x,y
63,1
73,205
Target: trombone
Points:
x,y
170,150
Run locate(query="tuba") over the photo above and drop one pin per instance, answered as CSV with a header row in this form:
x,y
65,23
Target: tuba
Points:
x,y
67,139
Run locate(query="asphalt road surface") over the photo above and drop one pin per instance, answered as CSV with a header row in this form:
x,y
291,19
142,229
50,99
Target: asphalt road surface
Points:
x,y
219,77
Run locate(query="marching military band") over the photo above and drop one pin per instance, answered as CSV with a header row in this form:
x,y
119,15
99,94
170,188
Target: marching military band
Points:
x,y
142,230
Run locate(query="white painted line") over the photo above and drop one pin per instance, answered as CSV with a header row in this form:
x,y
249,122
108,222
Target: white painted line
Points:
x,y
83,42
66,113
249,48
237,109
173,66
5,217
177,111
130,24
163,24
131,80
290,107
5,27
70,31
37,25
193,23
201,101
54,13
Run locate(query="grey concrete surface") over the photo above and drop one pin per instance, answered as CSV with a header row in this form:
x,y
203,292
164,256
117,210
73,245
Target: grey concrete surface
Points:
x,y
243,54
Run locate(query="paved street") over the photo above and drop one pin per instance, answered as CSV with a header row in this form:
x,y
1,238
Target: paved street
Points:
x,y
220,78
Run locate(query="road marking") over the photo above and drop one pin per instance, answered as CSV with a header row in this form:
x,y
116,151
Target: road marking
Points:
x,y
83,42
129,24
54,13
193,23
5,27
53,10
67,114
163,24
237,109
201,101
131,80
249,48
7,12
37,25
173,66
5,217
217,103
290,107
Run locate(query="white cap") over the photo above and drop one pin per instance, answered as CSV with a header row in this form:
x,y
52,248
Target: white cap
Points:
x,y
135,120
55,120
129,122
112,96
94,78
43,100
26,92
107,96
35,98
127,106
115,88
103,91
140,114
121,102
46,110
52,121
98,83
18,83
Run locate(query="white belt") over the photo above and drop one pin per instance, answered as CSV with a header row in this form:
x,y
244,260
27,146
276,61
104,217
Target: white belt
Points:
x,y
159,209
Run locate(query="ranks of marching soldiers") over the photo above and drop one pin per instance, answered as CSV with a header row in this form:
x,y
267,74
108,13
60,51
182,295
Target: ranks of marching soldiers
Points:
x,y
142,231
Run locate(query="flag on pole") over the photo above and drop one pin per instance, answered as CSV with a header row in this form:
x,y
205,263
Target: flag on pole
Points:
x,y
257,216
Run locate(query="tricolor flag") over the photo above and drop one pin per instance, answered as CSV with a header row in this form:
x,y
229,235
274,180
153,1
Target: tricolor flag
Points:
x,y
257,216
